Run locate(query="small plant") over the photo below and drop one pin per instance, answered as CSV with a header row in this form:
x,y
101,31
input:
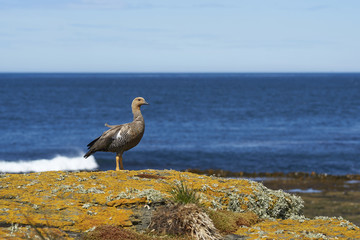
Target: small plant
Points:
x,y
228,222
183,220
182,194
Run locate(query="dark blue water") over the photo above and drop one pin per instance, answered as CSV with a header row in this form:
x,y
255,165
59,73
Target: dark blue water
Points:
x,y
237,122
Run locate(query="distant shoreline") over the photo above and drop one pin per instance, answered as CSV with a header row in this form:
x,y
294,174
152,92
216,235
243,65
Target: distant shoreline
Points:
x,y
225,173
230,174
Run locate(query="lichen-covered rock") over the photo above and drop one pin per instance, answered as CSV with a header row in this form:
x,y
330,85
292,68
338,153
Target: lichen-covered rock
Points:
x,y
319,228
78,201
264,202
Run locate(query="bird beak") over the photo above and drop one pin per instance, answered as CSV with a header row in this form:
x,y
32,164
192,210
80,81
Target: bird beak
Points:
x,y
146,103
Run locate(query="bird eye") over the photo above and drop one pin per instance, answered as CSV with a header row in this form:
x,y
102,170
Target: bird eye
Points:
x,y
139,99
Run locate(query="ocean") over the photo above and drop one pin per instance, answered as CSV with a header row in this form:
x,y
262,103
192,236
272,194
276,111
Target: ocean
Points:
x,y
249,122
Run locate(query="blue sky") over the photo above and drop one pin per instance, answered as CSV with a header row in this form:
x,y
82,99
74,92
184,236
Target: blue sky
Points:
x,y
179,36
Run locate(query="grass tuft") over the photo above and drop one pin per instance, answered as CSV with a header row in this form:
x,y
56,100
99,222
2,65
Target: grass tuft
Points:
x,y
183,220
182,194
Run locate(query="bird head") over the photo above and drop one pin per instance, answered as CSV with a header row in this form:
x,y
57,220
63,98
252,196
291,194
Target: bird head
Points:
x,y
139,101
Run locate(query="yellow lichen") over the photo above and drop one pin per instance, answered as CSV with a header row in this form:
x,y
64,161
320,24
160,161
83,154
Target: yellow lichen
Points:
x,y
78,201
326,228
126,202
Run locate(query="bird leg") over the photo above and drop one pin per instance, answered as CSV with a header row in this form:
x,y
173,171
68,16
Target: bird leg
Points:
x,y
119,159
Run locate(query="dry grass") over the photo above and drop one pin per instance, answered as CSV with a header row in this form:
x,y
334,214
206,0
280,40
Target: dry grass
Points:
x,y
149,176
113,233
110,232
186,219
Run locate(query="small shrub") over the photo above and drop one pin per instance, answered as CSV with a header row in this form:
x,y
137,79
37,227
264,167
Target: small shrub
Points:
x,y
182,194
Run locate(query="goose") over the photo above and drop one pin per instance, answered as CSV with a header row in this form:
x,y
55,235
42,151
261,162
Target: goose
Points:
x,y
120,138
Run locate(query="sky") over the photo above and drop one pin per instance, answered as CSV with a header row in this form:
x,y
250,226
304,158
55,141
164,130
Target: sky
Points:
x,y
179,36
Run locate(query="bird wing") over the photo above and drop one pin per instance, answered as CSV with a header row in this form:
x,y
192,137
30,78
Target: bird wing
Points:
x,y
110,126
103,142
123,135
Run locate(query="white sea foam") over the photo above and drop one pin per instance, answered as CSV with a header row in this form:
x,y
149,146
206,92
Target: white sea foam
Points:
x,y
309,190
58,163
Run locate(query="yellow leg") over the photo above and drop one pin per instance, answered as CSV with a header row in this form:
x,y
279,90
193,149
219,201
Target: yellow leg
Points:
x,y
117,163
121,164
119,159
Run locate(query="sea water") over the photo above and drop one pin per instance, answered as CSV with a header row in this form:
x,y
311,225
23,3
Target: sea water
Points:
x,y
252,122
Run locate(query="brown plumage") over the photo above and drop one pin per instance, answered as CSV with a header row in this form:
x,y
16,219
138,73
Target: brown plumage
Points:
x,y
120,138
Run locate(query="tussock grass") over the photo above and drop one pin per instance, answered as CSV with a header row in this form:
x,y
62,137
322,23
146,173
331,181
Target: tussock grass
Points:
x,y
184,220
182,194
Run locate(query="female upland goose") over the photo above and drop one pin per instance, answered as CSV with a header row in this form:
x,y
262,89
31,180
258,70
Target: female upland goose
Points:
x,y
120,138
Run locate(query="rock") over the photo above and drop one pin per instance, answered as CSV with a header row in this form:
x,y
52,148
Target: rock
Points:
x,y
234,237
70,203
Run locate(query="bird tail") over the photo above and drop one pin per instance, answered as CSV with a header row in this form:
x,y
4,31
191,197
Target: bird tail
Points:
x,y
88,154
92,143
91,151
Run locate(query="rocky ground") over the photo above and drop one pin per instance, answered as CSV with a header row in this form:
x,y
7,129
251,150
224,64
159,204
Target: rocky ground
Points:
x,y
324,195
70,205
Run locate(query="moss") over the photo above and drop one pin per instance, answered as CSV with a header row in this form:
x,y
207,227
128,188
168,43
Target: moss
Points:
x,y
228,222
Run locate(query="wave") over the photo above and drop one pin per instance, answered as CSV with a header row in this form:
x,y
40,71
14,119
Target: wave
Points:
x,y
309,190
58,163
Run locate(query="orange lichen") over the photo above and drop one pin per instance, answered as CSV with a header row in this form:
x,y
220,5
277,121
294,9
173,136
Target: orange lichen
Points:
x,y
322,228
78,201
126,202
15,233
100,216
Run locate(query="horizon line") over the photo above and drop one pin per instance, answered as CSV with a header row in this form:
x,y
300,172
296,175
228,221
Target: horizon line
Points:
x,y
176,72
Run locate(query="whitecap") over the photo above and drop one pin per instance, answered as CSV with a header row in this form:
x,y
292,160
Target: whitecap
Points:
x,y
58,163
309,190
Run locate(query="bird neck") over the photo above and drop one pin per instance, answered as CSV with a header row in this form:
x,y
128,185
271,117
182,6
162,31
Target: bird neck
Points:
x,y
137,113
